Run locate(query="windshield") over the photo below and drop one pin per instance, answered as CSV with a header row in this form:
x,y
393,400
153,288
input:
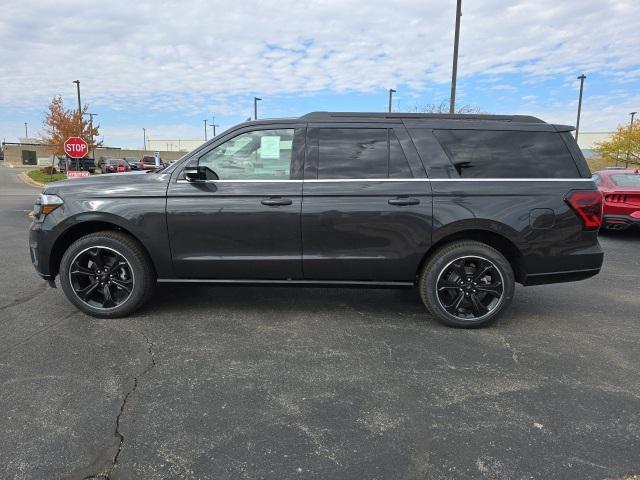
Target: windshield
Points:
x,y
626,179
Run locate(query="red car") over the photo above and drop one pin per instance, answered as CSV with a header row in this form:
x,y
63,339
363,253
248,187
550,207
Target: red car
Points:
x,y
621,192
115,165
148,162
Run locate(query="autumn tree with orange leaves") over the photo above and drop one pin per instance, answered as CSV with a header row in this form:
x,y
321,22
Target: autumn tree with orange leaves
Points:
x,y
60,123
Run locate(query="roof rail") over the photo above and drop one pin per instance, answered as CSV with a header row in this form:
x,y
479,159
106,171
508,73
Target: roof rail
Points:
x,y
327,116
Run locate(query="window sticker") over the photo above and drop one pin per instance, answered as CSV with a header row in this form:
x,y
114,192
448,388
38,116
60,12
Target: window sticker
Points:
x,y
270,146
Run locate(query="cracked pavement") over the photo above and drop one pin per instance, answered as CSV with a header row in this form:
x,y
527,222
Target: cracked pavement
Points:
x,y
225,382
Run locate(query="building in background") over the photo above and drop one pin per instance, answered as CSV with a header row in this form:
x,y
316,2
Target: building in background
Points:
x,y
169,145
34,154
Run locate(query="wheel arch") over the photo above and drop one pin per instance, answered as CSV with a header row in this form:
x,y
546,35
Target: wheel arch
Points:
x,y
500,241
83,228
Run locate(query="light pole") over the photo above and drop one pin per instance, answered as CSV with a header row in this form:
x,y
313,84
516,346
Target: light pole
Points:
x,y
26,132
213,127
144,138
454,70
255,107
391,92
633,114
205,129
581,78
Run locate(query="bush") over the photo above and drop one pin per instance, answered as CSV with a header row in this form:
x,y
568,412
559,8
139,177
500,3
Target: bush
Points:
x,y
49,170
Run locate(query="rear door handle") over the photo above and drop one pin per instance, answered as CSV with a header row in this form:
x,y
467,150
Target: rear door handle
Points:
x,y
401,201
275,202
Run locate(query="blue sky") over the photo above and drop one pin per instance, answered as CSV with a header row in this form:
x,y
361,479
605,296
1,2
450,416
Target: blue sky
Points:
x,y
166,66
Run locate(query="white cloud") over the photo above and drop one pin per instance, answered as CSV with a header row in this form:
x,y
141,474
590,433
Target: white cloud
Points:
x,y
158,53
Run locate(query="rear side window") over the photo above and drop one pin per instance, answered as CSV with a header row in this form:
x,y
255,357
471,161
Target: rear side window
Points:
x,y
626,179
507,154
360,153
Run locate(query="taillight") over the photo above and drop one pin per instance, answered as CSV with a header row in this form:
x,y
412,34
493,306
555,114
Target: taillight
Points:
x,y
616,198
588,206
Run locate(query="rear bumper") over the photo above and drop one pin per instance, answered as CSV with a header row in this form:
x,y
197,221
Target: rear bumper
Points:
x,y
620,222
579,265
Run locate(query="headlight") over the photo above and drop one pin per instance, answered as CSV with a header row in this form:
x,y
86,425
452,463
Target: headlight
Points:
x,y
46,203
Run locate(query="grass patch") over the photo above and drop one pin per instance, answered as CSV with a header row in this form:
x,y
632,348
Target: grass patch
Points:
x,y
42,177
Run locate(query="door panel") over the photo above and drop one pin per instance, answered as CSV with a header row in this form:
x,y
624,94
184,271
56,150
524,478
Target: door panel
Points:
x,y
223,230
351,231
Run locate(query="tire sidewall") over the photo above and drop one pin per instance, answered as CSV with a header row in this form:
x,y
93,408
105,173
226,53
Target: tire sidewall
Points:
x,y
445,257
132,257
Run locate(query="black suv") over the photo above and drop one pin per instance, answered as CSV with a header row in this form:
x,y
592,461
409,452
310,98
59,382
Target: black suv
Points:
x,y
459,206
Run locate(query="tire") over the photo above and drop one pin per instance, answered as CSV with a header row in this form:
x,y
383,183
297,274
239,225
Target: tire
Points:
x,y
102,262
467,304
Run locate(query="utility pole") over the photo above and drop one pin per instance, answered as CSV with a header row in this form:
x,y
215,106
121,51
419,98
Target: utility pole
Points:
x,y
391,92
255,107
205,129
633,114
26,132
144,138
454,70
581,78
213,127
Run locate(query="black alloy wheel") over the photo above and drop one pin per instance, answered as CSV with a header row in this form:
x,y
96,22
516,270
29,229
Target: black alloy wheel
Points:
x,y
470,287
101,277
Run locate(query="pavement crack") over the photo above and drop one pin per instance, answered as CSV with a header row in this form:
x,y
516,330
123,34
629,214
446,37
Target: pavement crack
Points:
x,y
106,474
514,353
20,300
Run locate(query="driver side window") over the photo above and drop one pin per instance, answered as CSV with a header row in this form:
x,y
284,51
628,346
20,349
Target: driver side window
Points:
x,y
257,155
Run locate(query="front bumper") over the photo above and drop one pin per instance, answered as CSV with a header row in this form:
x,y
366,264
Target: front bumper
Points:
x,y
40,244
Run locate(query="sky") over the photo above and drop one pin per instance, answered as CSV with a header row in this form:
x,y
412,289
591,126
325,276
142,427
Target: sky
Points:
x,y
166,66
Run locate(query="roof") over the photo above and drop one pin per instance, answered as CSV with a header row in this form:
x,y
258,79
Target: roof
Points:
x,y
329,116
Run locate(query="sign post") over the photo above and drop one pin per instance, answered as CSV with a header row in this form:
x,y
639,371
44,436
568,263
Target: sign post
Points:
x,y
156,155
76,147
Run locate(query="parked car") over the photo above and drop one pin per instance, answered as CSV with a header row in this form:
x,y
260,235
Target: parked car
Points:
x,y
115,165
66,164
148,162
460,207
133,162
621,192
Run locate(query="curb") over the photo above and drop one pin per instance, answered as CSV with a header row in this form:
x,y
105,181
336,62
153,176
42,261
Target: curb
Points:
x,y
29,181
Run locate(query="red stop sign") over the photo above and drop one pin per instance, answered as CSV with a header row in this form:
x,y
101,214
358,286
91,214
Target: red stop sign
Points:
x,y
75,147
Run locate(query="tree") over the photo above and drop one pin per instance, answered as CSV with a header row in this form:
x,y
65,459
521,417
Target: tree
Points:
x,y
624,144
443,107
60,123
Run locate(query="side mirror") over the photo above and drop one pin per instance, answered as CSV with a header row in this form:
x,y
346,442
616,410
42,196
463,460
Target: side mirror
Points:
x,y
199,173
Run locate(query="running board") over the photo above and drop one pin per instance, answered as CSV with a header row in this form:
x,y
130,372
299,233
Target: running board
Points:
x,y
345,283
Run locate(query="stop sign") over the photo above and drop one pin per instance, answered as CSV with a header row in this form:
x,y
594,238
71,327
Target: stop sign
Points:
x,y
75,147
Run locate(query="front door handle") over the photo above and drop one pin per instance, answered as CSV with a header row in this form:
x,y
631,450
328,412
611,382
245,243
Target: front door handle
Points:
x,y
275,202
402,201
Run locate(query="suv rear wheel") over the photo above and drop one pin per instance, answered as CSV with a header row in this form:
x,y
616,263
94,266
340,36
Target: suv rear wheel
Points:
x,y
467,284
106,274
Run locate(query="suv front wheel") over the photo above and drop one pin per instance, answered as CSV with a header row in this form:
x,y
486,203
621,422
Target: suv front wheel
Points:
x,y
467,284
106,274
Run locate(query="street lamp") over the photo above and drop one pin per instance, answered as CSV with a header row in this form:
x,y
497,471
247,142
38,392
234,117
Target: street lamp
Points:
x,y
144,138
77,82
205,129
26,132
391,92
454,70
213,126
633,114
581,78
255,107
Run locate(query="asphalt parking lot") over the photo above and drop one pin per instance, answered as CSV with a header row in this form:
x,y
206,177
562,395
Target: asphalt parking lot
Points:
x,y
244,383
